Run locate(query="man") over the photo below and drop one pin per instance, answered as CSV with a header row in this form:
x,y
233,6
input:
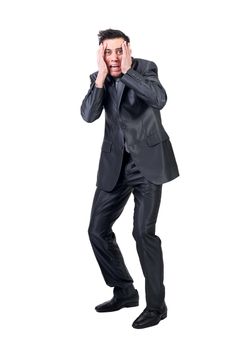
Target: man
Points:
x,y
136,157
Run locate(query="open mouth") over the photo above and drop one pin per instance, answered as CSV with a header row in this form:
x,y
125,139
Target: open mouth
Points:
x,y
114,66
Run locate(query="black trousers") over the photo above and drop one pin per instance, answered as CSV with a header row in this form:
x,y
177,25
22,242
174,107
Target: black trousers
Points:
x,y
106,208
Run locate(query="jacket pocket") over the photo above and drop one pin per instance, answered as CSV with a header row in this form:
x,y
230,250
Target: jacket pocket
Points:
x,y
106,146
155,138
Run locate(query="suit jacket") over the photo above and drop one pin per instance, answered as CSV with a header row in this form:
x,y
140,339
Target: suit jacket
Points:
x,y
135,111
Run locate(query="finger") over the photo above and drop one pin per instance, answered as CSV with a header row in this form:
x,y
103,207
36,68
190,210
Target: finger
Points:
x,y
128,48
100,49
124,47
104,46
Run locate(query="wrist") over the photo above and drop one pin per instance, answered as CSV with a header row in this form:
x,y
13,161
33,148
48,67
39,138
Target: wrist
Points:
x,y
124,71
99,82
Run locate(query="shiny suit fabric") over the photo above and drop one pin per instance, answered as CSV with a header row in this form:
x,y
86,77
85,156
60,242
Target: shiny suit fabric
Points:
x,y
106,208
136,112
132,122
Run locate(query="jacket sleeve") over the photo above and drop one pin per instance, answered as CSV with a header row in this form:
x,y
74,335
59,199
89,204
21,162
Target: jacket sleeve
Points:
x,y
92,105
146,85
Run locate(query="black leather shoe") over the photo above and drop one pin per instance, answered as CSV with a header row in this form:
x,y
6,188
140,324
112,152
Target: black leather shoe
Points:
x,y
150,318
117,303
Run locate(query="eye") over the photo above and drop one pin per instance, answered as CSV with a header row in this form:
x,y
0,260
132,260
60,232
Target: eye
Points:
x,y
107,52
119,51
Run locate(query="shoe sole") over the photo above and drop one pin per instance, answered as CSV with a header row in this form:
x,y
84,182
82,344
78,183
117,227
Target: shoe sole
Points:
x,y
152,324
130,304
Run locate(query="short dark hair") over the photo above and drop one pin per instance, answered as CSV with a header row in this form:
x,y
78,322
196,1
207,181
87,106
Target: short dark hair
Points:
x,y
111,34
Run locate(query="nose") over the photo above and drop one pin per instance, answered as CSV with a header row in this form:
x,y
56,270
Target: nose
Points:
x,y
114,56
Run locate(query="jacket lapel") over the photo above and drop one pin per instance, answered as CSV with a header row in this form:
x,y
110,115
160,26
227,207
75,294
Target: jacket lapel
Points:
x,y
120,90
122,85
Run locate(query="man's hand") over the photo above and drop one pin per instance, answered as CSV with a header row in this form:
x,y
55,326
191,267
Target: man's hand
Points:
x,y
102,67
126,58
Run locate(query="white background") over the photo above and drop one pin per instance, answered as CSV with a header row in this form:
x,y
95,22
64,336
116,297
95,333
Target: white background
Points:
x,y
50,281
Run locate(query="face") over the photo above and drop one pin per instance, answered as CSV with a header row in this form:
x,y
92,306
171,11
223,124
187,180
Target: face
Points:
x,y
113,55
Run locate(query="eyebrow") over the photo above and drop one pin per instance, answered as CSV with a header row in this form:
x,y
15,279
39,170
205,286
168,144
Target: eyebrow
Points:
x,y
118,48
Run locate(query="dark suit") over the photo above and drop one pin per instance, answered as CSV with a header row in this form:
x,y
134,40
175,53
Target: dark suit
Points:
x,y
132,121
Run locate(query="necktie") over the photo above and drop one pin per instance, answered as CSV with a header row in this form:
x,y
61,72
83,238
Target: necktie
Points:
x,y
117,87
